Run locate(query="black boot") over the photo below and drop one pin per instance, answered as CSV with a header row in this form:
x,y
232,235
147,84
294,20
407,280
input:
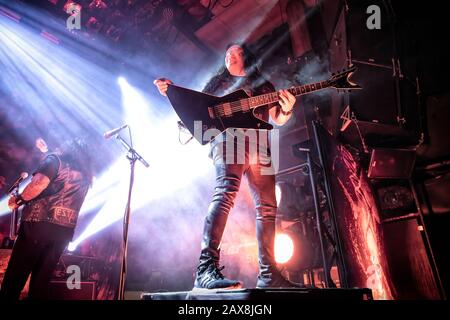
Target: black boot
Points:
x,y
277,280
269,276
209,275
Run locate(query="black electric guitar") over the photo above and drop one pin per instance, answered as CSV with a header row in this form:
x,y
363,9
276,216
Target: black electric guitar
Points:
x,y
200,112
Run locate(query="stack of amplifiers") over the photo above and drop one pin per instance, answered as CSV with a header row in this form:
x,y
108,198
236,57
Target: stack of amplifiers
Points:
x,y
387,97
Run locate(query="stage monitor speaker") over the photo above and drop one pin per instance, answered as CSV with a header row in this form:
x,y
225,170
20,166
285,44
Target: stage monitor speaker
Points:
x,y
391,163
59,291
395,199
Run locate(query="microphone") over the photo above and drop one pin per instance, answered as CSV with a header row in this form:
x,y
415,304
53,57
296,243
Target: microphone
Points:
x,y
109,134
22,177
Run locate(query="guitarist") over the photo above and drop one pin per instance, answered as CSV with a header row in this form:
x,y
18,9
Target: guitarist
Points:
x,y
52,201
240,72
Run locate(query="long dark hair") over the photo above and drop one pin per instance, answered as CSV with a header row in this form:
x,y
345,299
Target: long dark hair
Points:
x,y
79,154
250,65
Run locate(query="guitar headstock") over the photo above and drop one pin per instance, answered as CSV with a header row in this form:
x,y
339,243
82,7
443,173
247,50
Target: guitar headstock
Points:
x,y
341,80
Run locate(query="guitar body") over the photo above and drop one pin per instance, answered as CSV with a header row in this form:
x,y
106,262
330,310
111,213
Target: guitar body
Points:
x,y
193,109
206,116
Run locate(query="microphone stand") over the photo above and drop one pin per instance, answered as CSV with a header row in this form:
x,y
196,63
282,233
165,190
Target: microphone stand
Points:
x,y
132,156
14,216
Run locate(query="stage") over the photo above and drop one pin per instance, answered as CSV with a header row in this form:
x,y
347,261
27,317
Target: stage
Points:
x,y
264,294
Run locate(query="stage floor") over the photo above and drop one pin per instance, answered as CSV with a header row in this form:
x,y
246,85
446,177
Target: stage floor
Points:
x,y
264,294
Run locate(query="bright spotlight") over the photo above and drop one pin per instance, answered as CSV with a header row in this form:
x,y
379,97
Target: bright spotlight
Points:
x,y
72,246
121,81
284,248
4,209
111,189
278,194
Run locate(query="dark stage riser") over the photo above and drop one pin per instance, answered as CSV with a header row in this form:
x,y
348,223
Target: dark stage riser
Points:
x,y
265,294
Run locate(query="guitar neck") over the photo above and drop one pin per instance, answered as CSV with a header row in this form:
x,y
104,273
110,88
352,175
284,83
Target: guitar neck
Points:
x,y
272,97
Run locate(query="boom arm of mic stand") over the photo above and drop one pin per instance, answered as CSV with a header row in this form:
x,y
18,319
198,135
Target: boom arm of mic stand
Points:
x,y
132,151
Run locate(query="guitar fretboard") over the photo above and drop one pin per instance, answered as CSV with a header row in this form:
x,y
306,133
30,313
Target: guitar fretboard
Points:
x,y
272,97
229,108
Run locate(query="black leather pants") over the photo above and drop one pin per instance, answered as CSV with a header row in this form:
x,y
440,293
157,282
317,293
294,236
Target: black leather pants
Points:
x,y
262,186
36,253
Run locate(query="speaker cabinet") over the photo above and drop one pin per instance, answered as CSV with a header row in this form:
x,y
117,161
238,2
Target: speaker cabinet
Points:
x,y
387,97
391,163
